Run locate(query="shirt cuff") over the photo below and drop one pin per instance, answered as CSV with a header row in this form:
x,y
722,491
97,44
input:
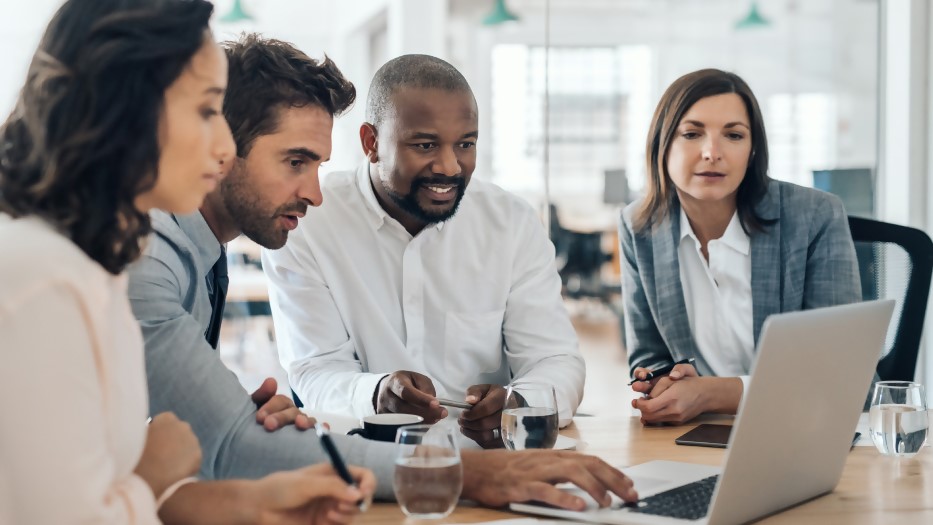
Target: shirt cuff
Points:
x,y
172,489
363,393
745,380
141,499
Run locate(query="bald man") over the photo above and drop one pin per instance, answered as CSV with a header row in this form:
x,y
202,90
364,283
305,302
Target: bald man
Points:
x,y
413,281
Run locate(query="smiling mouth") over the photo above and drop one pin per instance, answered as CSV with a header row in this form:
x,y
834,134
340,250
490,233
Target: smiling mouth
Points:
x,y
440,194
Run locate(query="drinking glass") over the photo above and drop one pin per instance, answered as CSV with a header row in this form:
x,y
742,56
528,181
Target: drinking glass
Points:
x,y
897,419
428,473
529,417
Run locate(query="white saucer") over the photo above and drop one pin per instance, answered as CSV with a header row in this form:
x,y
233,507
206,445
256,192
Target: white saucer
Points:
x,y
565,443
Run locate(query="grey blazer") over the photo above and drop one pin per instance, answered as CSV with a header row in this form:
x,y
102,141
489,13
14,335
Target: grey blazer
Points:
x,y
168,293
806,259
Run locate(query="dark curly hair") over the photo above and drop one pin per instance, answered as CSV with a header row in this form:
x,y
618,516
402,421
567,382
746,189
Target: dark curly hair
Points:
x,y
675,102
82,141
267,76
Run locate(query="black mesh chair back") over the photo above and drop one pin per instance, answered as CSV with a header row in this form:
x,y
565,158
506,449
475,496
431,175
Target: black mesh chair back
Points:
x,y
579,257
896,262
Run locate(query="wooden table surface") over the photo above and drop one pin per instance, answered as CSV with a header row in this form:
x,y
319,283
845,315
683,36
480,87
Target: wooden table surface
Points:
x,y
874,489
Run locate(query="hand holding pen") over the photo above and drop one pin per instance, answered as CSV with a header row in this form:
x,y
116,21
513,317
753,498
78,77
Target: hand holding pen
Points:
x,y
337,461
664,370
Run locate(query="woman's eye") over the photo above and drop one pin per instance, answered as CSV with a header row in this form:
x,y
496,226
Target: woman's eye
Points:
x,y
736,136
209,112
690,135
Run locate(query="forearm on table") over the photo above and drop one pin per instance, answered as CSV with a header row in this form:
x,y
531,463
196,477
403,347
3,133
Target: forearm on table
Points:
x,y
207,503
723,394
475,473
251,453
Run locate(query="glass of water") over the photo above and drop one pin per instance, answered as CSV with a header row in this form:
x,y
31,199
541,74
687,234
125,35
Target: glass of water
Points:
x,y
428,473
529,417
897,419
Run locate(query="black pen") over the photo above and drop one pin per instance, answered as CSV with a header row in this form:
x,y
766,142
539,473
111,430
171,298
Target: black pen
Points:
x,y
664,370
336,460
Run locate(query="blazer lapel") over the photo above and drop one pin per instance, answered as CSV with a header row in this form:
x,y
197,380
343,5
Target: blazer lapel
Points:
x,y
766,261
673,322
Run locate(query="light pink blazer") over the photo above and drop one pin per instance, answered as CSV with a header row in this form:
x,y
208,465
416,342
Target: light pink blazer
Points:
x,y
72,381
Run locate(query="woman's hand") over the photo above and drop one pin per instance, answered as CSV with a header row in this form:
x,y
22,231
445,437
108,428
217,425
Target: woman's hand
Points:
x,y
172,452
314,494
682,395
663,382
657,385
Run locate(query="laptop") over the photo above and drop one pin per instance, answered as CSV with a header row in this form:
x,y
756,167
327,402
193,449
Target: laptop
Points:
x,y
792,434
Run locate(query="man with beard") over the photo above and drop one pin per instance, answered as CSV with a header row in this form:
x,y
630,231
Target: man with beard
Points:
x,y
414,283
280,106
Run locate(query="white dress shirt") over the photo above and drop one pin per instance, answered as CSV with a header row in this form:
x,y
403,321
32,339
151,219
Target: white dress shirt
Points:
x,y
73,365
718,296
470,301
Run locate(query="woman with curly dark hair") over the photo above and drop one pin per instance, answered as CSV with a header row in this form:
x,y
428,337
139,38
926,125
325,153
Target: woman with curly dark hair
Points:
x,y
120,114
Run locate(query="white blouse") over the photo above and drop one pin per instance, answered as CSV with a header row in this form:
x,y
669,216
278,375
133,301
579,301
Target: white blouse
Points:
x,y
718,297
73,384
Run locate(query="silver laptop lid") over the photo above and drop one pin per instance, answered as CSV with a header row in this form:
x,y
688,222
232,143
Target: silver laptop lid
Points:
x,y
791,438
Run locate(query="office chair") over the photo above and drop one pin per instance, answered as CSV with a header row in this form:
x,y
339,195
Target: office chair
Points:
x,y
579,257
896,261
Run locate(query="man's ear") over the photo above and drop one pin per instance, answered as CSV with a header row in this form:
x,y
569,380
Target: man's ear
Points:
x,y
369,139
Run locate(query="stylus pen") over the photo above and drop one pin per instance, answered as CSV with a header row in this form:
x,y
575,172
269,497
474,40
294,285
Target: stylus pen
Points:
x,y
336,460
664,370
455,404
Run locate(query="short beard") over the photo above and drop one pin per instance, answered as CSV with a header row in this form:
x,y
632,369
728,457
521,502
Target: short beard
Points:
x,y
254,217
409,203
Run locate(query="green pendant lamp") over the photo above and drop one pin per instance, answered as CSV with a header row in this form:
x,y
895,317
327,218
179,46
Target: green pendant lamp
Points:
x,y
499,15
236,14
753,19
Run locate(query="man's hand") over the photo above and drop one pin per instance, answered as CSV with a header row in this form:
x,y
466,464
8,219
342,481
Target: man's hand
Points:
x,y
275,411
498,477
405,392
478,423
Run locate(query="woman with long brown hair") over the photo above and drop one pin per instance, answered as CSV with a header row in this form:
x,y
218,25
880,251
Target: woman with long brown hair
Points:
x,y
716,246
120,113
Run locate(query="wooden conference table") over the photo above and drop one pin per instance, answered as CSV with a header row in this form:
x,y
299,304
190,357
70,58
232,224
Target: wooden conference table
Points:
x,y
874,489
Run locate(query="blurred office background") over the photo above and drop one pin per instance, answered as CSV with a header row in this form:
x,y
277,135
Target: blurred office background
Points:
x,y
566,91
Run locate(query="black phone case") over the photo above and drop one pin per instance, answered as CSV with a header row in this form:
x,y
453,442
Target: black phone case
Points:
x,y
706,435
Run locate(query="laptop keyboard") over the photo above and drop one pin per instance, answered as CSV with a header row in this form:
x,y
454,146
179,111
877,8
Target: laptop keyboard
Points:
x,y
689,502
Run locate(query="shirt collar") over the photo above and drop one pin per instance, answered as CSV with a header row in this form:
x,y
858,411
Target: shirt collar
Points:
x,y
377,214
196,228
734,236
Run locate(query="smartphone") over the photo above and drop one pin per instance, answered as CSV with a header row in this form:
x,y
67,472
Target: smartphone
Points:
x,y
706,435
